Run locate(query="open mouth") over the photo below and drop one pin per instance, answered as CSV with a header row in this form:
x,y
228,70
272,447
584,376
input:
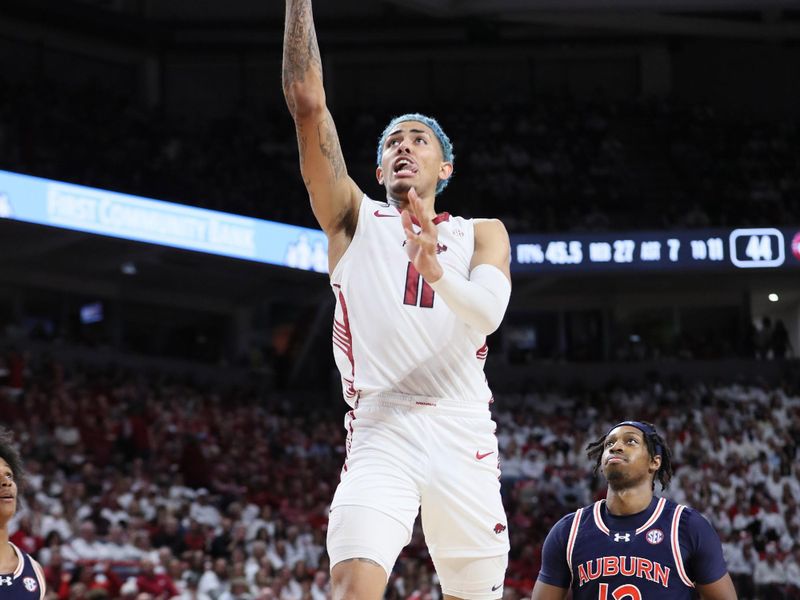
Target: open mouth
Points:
x,y
404,167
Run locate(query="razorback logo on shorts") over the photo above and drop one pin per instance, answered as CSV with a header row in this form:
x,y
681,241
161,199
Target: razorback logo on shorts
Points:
x,y
499,528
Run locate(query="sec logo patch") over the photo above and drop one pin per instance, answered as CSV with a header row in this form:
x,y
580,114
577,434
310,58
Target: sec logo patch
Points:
x,y
654,536
30,584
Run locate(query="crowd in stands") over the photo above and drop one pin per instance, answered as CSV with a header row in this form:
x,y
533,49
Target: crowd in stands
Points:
x,y
552,164
144,488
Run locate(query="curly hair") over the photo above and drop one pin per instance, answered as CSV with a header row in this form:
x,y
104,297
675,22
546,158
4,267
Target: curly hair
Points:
x,y
656,446
8,452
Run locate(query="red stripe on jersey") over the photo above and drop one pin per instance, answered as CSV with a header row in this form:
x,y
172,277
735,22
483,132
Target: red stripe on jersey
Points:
x,y
343,339
412,285
440,218
426,299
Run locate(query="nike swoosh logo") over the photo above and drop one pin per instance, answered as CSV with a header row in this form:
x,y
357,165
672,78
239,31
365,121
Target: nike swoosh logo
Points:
x,y
480,456
378,213
496,587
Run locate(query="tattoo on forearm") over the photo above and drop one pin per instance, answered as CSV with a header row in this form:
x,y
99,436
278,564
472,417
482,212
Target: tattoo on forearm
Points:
x,y
330,147
302,140
300,48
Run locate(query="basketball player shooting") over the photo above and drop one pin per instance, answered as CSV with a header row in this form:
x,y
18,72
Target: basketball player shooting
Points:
x,y
633,545
416,295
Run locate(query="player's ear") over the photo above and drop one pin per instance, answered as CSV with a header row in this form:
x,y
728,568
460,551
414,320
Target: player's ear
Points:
x,y
379,175
445,171
655,463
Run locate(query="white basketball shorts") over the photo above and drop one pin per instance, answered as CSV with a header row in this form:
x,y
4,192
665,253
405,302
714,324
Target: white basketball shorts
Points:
x,y
404,453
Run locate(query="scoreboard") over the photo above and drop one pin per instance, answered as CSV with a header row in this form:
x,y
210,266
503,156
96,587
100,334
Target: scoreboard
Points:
x,y
674,250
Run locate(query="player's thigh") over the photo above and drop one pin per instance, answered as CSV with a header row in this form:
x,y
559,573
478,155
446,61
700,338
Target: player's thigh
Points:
x,y
385,466
472,578
363,544
462,509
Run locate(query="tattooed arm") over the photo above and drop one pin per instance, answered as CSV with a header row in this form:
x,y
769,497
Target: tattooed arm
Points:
x,y
334,195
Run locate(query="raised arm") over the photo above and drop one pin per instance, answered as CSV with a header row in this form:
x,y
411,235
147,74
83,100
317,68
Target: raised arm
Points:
x,y
334,196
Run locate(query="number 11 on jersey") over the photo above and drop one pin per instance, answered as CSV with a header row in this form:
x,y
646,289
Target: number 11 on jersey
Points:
x,y
412,296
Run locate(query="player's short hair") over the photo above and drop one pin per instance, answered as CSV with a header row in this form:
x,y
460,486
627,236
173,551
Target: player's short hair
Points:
x,y
656,446
8,452
444,141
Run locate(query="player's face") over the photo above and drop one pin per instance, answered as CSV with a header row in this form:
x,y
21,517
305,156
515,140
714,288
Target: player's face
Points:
x,y
8,492
412,156
626,462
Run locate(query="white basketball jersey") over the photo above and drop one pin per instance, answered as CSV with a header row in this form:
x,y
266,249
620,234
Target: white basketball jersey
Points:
x,y
391,333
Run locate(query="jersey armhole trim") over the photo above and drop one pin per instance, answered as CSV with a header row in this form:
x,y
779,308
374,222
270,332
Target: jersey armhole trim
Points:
x,y
676,549
37,568
573,534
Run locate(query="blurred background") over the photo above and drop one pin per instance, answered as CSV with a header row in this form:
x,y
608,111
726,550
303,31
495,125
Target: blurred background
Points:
x,y
165,359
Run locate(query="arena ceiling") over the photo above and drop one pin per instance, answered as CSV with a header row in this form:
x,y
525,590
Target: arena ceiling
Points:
x,y
735,19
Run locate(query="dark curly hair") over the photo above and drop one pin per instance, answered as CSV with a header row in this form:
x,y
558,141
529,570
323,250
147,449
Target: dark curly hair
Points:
x,y
8,452
594,451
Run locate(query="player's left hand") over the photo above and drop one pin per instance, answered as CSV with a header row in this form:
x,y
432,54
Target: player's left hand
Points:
x,y
421,246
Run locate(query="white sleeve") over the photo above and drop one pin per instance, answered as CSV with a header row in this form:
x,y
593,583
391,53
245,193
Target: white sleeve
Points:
x,y
479,301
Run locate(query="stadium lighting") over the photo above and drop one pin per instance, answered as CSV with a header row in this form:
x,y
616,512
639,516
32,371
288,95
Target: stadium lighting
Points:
x,y
773,297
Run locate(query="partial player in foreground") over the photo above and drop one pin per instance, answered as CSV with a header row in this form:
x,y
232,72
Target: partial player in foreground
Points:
x,y
21,577
633,545
416,295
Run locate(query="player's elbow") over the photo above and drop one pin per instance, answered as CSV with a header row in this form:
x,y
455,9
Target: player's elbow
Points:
x,y
304,100
487,324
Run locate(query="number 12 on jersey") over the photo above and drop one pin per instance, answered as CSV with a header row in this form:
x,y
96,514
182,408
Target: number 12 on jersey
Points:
x,y
624,591
412,295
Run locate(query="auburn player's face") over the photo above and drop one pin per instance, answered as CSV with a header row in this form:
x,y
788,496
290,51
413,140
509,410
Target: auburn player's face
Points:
x,y
626,460
8,491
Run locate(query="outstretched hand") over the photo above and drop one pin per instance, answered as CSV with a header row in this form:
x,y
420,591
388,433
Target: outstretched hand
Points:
x,y
421,246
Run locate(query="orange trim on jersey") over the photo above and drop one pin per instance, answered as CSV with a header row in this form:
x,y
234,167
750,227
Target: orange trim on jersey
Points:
x,y
21,563
573,535
676,549
598,519
37,568
654,517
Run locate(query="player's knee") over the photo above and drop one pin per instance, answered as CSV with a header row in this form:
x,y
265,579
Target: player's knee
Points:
x,y
472,578
357,579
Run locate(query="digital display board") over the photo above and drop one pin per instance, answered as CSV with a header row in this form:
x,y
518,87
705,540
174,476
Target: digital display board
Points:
x,y
81,208
682,250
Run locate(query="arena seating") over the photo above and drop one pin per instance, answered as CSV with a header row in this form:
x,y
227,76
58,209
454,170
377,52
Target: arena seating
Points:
x,y
142,487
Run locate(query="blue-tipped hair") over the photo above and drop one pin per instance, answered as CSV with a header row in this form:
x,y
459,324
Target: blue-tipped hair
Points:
x,y
444,141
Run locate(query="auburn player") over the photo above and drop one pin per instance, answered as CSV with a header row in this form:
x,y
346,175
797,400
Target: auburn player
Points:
x,y
416,295
633,545
21,577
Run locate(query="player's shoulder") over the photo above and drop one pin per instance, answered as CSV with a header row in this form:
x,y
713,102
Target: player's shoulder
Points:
x,y
694,518
490,233
34,563
488,224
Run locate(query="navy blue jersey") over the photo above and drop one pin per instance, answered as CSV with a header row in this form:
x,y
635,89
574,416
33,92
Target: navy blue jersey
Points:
x,y
658,554
26,582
